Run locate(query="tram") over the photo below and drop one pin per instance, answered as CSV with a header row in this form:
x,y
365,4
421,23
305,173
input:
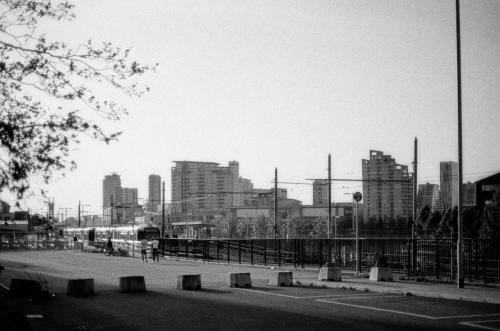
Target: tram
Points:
x,y
117,233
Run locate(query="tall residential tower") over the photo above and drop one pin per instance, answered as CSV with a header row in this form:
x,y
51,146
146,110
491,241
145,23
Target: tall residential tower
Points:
x,y
387,187
154,197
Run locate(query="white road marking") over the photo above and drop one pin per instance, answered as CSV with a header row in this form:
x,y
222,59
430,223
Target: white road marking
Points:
x,y
377,309
5,287
332,296
474,324
34,316
467,316
371,296
269,293
406,313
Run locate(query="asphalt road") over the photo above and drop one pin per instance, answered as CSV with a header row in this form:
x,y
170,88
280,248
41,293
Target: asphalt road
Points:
x,y
216,306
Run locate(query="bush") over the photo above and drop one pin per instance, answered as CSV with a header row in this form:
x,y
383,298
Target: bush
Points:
x,y
380,260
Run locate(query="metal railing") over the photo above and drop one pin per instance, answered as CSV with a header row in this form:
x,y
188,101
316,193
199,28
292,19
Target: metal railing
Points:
x,y
417,257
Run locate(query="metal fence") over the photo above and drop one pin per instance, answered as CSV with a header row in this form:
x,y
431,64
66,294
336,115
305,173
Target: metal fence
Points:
x,y
418,257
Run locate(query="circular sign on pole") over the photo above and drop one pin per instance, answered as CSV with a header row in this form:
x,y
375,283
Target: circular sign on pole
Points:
x,y
357,196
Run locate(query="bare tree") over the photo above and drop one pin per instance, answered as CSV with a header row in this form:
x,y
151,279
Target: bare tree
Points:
x,y
47,92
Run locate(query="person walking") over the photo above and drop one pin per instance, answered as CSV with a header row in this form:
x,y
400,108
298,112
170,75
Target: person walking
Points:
x,y
110,247
154,246
144,247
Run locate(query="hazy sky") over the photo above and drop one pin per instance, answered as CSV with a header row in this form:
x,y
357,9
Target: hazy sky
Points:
x,y
284,83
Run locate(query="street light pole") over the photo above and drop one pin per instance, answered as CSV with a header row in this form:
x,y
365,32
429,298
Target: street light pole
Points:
x,y
460,252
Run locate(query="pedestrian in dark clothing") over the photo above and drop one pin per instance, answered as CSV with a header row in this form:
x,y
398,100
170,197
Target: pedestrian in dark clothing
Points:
x,y
110,247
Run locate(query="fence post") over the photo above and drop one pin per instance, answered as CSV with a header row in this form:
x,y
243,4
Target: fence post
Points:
x,y
279,252
320,252
228,252
408,257
251,251
437,258
301,244
217,242
294,253
414,255
178,247
485,274
265,251
187,248
239,251
329,259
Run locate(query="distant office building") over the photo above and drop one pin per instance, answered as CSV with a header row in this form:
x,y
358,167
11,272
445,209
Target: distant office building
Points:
x,y
129,197
448,175
387,187
439,203
154,197
428,195
204,188
320,192
486,189
246,190
111,189
469,194
264,198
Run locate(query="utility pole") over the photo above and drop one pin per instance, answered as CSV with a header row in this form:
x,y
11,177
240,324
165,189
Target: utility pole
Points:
x,y
329,195
163,211
275,203
460,248
79,219
414,212
111,213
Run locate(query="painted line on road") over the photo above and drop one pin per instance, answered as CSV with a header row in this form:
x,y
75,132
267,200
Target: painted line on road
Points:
x,y
34,316
4,287
377,309
371,296
269,293
474,324
468,316
407,313
332,296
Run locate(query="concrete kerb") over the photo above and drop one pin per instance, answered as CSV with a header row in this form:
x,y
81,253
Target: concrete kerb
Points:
x,y
239,279
281,278
189,282
374,286
132,284
80,287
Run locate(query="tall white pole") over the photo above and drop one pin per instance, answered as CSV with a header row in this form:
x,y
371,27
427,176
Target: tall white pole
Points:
x,y
357,242
460,247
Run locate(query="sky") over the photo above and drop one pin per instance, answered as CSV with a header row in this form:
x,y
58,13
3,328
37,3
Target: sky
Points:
x,y
284,83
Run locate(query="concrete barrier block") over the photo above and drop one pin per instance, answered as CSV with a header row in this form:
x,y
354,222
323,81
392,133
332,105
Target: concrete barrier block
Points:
x,y
380,274
281,278
132,284
80,287
25,288
241,279
330,273
189,282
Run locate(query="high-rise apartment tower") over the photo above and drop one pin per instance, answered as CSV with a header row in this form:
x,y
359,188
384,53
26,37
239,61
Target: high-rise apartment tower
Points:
x,y
154,198
387,187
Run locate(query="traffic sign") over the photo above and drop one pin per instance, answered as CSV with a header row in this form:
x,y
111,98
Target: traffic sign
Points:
x,y
357,196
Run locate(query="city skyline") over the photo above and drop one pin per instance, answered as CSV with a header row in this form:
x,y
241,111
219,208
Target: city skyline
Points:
x,y
283,85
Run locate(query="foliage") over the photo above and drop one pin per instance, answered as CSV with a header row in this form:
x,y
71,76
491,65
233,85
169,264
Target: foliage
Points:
x,y
490,219
47,98
432,222
377,260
